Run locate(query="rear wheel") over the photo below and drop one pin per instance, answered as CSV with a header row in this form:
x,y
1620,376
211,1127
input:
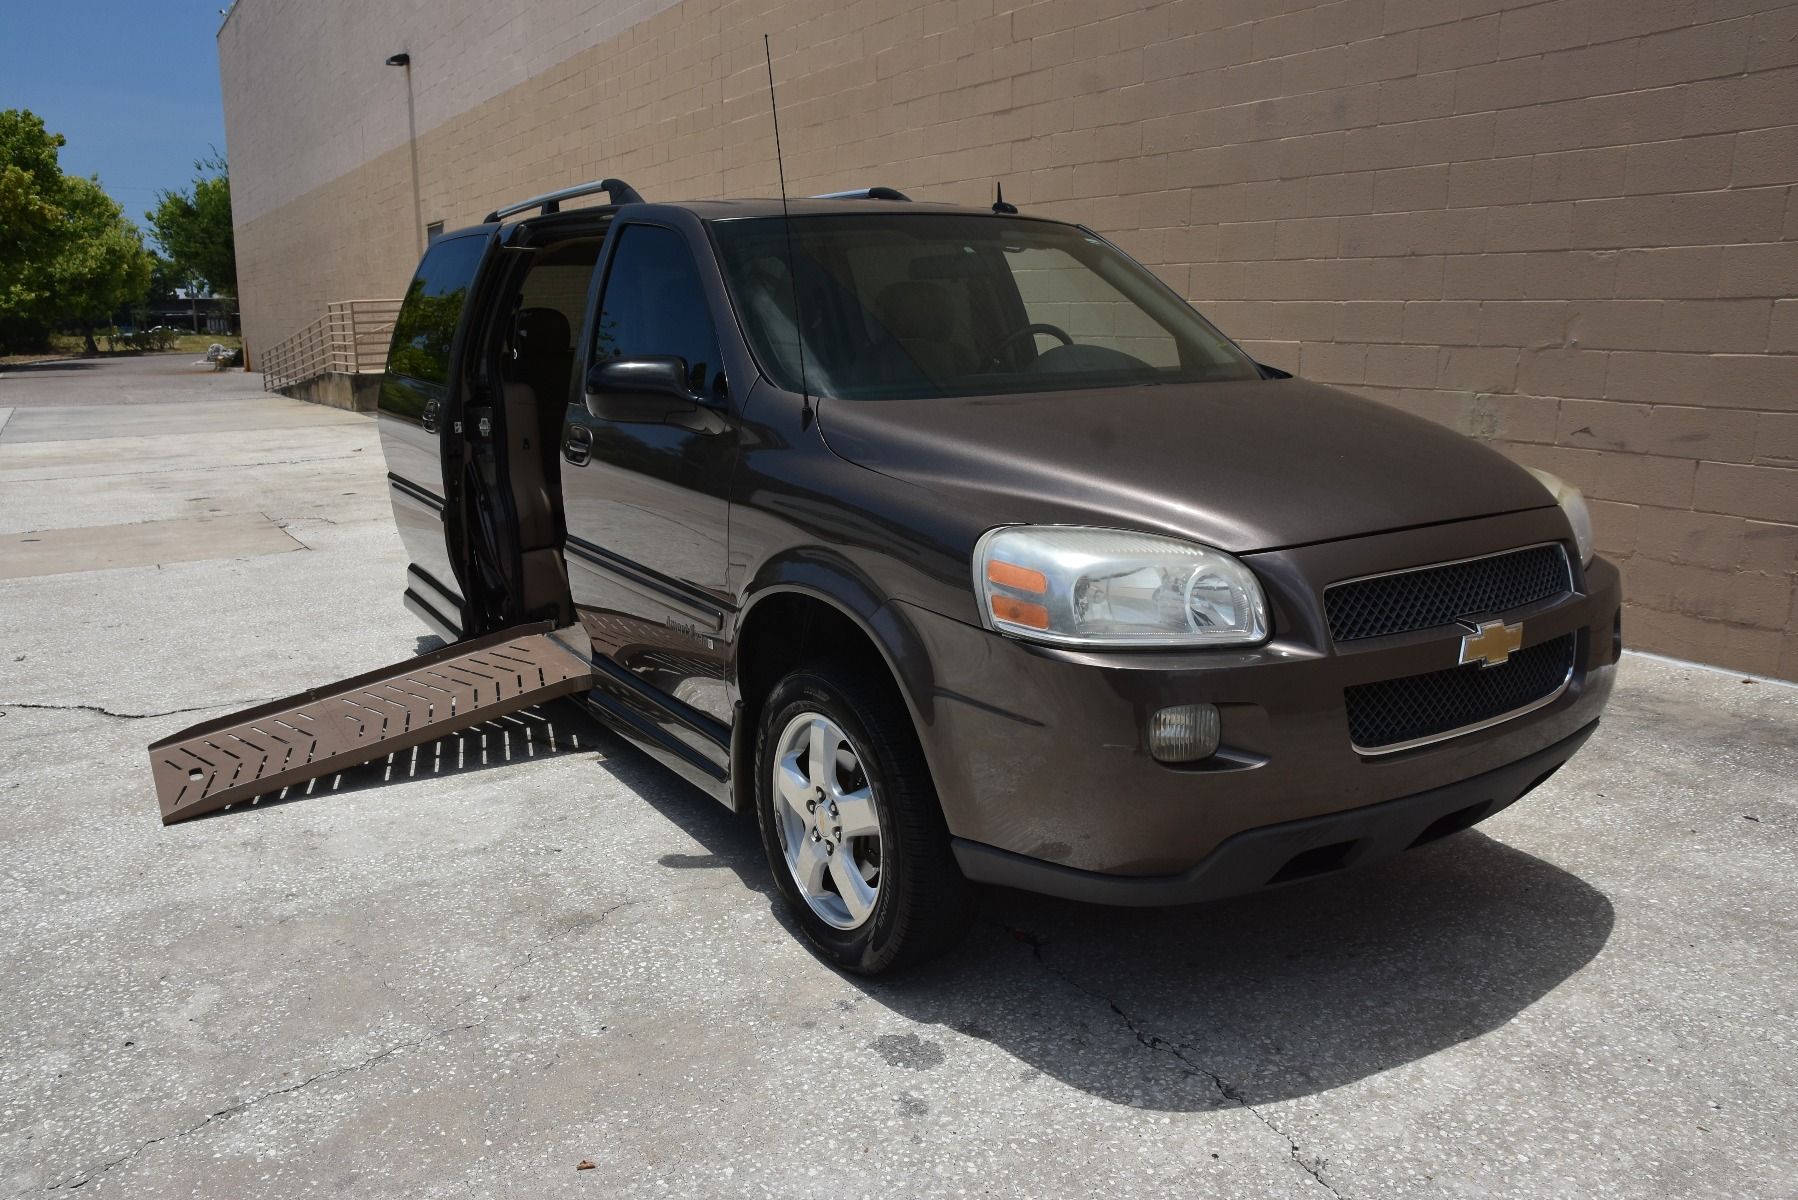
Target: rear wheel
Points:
x,y
850,823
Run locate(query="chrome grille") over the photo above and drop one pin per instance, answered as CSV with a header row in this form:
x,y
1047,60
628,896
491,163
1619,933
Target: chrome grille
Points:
x,y
1429,597
1393,713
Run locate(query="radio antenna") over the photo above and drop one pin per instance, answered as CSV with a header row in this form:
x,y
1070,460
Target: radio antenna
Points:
x,y
786,220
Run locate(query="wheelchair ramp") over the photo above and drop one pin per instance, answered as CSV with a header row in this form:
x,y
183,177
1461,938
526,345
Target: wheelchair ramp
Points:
x,y
320,732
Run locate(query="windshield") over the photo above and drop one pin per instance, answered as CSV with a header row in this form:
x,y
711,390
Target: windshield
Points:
x,y
896,306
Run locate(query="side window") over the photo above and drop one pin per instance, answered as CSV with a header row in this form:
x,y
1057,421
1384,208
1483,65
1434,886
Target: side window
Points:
x,y
426,324
654,305
1057,290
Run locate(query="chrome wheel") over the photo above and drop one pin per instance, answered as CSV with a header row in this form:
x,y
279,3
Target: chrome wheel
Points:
x,y
829,824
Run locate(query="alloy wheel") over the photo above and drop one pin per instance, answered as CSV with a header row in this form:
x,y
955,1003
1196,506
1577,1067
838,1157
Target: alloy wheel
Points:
x,y
828,819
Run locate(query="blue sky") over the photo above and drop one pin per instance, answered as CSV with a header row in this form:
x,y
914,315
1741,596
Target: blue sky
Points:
x,y
132,84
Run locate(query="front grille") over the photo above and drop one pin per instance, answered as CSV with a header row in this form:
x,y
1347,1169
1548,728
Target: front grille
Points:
x,y
1395,711
1429,597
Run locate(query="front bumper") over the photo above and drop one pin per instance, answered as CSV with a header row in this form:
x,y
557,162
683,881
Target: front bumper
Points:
x,y
1275,855
1040,753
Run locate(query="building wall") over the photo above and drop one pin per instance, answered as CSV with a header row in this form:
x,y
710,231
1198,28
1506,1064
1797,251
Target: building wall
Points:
x,y
1568,227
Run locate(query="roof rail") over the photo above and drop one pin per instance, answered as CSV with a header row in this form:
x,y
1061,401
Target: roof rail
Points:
x,y
870,193
617,190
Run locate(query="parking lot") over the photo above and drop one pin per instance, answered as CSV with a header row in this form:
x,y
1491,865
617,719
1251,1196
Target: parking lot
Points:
x,y
531,947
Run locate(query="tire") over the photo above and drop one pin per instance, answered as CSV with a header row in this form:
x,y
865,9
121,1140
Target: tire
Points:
x,y
914,903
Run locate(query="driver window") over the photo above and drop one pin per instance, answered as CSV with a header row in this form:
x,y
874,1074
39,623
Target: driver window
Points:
x,y
1057,290
654,305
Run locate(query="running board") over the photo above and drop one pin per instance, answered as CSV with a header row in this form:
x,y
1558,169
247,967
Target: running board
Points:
x,y
247,754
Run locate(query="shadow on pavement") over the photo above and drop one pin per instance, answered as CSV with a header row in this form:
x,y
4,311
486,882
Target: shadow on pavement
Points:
x,y
1268,997
541,731
54,365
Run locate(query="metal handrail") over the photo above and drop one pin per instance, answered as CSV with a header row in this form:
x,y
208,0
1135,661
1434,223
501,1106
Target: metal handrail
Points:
x,y
349,339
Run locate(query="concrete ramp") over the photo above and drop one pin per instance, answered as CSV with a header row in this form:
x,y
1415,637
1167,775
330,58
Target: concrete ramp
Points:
x,y
247,754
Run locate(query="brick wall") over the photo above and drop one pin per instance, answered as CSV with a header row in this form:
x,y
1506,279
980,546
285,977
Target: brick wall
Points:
x,y
1567,227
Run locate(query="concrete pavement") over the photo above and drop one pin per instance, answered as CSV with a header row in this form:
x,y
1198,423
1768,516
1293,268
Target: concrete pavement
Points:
x,y
465,974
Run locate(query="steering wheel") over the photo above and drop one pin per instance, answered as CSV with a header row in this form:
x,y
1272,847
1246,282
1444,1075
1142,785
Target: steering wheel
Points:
x,y
1031,330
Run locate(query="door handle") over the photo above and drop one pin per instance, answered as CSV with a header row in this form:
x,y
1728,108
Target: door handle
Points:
x,y
577,445
428,418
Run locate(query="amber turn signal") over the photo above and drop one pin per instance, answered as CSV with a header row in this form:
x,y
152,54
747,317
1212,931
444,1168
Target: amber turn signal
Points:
x,y
1013,576
1020,612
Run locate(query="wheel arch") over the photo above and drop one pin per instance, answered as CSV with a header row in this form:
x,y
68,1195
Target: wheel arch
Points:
x,y
790,621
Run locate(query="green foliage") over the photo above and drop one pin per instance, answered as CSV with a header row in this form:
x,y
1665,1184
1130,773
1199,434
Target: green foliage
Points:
x,y
30,212
67,253
30,181
194,229
161,337
164,278
103,264
423,332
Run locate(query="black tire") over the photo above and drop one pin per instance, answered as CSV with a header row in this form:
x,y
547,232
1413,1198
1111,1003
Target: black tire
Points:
x,y
923,905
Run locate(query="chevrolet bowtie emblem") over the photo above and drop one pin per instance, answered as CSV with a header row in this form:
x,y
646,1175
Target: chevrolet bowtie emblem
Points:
x,y
1491,643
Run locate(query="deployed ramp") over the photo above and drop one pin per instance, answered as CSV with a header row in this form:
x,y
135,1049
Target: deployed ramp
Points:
x,y
320,732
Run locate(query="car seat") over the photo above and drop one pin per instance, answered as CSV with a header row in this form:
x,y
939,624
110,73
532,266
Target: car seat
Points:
x,y
920,314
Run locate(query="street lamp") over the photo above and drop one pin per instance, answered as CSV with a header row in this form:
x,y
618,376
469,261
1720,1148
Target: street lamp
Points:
x,y
403,59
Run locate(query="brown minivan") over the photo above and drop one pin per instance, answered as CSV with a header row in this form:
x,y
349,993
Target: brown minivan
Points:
x,y
959,548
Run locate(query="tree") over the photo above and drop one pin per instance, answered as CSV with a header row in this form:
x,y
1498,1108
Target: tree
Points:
x,y
194,228
31,186
423,331
67,253
103,265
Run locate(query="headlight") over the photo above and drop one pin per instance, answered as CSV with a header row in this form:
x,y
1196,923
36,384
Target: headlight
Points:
x,y
1109,587
1574,505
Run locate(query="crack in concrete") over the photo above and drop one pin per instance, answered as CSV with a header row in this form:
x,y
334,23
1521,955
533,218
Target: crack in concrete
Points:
x,y
286,524
1312,1166
125,716
242,1106
497,984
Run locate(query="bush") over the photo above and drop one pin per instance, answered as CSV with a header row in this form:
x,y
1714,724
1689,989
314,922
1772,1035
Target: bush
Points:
x,y
160,337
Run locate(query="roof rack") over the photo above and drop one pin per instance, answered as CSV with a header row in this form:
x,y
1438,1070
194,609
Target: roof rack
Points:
x,y
871,193
617,190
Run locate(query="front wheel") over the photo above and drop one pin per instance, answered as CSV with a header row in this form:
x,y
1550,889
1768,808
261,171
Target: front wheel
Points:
x,y
850,823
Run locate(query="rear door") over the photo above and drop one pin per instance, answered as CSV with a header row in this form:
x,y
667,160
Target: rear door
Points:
x,y
414,399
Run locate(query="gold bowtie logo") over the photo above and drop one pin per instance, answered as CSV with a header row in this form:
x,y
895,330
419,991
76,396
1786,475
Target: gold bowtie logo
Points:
x,y
1491,643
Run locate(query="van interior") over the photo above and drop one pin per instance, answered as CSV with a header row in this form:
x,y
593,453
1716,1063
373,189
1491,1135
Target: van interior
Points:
x,y
518,385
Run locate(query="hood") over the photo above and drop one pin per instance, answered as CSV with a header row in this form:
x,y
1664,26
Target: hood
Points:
x,y
1245,466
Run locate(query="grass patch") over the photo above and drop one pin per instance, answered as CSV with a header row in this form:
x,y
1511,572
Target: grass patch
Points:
x,y
70,344
196,343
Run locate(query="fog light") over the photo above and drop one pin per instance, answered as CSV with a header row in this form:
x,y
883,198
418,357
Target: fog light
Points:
x,y
1184,733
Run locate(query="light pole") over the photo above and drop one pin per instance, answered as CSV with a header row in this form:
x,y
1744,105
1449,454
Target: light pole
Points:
x,y
403,59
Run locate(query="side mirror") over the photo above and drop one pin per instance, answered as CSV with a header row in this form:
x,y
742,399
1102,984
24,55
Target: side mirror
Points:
x,y
640,390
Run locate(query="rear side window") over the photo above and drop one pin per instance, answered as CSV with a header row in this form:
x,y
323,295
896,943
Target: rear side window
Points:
x,y
427,322
654,305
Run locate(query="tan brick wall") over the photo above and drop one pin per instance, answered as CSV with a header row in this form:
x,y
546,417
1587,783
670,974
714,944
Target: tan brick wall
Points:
x,y
1567,227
